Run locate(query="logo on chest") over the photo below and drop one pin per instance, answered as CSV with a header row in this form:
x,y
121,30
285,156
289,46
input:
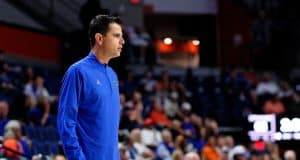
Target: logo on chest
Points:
x,y
98,82
115,83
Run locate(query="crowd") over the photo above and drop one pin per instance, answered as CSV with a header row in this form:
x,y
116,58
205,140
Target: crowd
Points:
x,y
170,117
24,102
163,116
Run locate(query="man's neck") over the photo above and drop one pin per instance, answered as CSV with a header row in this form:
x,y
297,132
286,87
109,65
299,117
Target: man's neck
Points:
x,y
100,55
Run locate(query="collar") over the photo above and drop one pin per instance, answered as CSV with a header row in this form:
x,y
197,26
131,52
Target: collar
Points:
x,y
94,59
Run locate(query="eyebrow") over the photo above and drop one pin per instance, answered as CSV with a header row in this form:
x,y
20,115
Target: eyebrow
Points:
x,y
117,34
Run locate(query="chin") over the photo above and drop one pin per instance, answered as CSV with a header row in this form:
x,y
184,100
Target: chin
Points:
x,y
116,55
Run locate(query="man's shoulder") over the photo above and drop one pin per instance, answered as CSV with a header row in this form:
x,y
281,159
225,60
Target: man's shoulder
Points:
x,y
112,71
79,65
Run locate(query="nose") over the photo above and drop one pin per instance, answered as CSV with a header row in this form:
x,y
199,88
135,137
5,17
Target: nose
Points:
x,y
122,41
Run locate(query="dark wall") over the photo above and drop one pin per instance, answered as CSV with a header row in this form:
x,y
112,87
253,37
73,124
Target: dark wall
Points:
x,y
204,26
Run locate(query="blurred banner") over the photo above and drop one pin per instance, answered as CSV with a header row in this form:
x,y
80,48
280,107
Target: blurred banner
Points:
x,y
29,44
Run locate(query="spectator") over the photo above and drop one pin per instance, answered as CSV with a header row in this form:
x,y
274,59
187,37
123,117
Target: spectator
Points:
x,y
129,84
171,106
264,90
14,139
177,155
221,145
158,114
273,149
229,141
200,141
148,82
289,155
210,151
28,75
180,147
176,128
166,148
274,105
211,125
6,83
40,115
135,108
123,152
4,110
142,151
191,156
164,83
140,40
237,153
36,92
267,86
59,157
285,90
287,94
151,137
187,125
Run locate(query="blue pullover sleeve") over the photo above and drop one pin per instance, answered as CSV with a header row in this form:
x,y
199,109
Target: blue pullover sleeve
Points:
x,y
69,99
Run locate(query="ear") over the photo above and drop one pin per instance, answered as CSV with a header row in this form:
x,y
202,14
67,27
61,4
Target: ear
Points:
x,y
99,38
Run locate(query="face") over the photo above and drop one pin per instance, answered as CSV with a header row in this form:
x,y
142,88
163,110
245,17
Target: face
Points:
x,y
39,81
166,136
212,140
59,157
3,109
113,41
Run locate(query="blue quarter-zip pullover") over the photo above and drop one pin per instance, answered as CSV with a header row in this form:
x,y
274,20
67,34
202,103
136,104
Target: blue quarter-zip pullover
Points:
x,y
89,108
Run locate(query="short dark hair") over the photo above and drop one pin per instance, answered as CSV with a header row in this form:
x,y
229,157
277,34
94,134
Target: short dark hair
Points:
x,y
100,24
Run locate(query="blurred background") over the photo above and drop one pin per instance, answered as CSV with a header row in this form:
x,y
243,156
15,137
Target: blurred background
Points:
x,y
199,79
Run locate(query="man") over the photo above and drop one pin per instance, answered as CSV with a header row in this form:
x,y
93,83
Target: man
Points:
x,y
289,155
4,110
89,102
